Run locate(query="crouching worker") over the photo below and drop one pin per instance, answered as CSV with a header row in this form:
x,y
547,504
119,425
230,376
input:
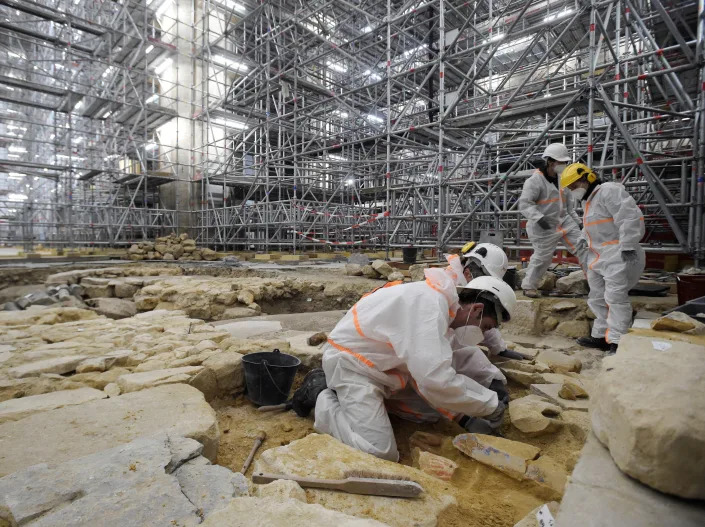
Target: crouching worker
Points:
x,y
399,338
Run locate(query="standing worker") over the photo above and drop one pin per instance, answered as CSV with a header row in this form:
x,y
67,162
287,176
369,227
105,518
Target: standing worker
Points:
x,y
613,227
551,217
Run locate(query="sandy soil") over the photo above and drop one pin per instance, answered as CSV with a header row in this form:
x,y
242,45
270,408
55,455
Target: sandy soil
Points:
x,y
486,497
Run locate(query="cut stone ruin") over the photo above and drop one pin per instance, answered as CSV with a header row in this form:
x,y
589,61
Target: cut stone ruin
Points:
x,y
170,247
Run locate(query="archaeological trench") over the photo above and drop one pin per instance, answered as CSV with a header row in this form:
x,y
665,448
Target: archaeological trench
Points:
x,y
122,402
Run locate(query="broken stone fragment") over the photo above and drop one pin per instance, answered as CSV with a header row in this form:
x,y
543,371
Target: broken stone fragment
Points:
x,y
572,391
534,415
369,272
353,270
678,322
437,466
559,362
382,268
395,276
550,392
15,409
548,282
317,338
546,472
417,272
115,308
564,305
574,283
510,457
522,377
281,489
573,328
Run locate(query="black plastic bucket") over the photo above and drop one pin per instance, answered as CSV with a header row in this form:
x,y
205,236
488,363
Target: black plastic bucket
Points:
x,y
409,254
269,376
510,277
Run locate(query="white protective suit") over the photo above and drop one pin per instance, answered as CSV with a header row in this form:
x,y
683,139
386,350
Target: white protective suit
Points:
x,y
542,199
612,223
395,339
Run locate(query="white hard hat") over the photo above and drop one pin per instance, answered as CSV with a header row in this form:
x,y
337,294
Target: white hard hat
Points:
x,y
496,290
490,258
557,151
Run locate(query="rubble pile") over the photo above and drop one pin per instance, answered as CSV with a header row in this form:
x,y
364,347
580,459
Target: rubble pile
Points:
x,y
172,247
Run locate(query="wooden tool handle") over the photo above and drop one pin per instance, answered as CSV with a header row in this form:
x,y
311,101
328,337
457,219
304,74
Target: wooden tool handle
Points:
x,y
274,407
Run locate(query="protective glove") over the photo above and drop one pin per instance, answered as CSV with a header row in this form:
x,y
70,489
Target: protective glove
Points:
x,y
478,425
582,244
500,389
509,354
495,418
543,223
629,256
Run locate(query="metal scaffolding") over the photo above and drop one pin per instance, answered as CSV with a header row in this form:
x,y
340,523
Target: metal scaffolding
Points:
x,y
378,124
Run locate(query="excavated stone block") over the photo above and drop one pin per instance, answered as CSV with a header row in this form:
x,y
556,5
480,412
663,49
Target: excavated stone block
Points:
x,y
572,391
437,466
525,318
83,429
281,489
647,409
115,308
148,379
382,268
574,283
229,374
510,457
15,409
321,456
98,291
395,276
546,472
369,272
559,362
550,392
275,512
574,328
416,272
59,365
534,416
564,305
353,270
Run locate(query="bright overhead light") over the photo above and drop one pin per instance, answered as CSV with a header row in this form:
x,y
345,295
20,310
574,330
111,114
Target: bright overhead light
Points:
x,y
58,66
9,88
152,98
149,49
337,158
78,106
162,66
108,71
337,67
107,114
150,146
349,182
375,118
17,197
15,55
16,175
52,136
77,139
229,63
17,149
13,156
367,29
372,75
494,38
15,127
229,123
342,114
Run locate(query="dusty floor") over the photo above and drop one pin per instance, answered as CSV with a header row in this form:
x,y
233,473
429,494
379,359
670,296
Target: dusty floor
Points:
x,y
485,497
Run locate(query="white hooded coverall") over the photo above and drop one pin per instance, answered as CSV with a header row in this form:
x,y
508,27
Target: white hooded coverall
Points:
x,y
542,199
612,223
395,338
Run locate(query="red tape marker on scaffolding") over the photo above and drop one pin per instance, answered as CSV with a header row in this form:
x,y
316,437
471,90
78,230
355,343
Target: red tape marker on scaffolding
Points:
x,y
329,242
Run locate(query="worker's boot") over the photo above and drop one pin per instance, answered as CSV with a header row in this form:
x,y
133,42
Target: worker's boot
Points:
x,y
532,293
612,350
594,342
304,399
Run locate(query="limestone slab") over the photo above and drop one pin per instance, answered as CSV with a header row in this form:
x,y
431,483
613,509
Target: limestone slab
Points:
x,y
133,382
525,318
310,356
647,408
59,365
282,489
600,495
87,428
550,391
228,371
273,512
250,328
322,456
14,409
210,487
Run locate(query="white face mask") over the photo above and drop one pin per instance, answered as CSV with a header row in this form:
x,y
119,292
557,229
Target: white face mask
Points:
x,y
558,169
579,193
469,335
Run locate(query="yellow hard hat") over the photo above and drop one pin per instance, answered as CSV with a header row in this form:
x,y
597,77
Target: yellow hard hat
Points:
x,y
574,172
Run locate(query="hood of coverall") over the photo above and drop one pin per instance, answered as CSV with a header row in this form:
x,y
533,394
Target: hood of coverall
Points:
x,y
447,279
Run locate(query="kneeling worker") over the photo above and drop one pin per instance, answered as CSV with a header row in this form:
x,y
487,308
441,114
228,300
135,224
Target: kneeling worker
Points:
x,y
399,336
613,226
